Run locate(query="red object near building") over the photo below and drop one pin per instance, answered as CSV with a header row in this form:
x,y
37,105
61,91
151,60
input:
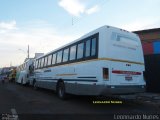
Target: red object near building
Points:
x,y
150,40
147,48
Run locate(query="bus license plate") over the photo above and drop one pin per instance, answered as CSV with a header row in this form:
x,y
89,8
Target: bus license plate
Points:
x,y
128,78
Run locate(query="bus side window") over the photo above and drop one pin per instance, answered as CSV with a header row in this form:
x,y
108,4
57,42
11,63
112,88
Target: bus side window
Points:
x,y
88,47
54,59
59,57
39,63
22,66
46,60
65,55
80,50
73,53
49,60
93,49
42,62
36,64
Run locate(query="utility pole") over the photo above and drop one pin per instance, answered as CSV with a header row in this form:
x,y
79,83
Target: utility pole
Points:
x,y
72,21
28,51
10,64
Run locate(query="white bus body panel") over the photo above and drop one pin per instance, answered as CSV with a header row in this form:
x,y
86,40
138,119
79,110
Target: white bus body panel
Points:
x,y
124,56
24,74
22,77
86,77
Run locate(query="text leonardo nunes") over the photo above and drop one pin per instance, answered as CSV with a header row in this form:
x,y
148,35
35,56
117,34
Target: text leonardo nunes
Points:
x,y
136,117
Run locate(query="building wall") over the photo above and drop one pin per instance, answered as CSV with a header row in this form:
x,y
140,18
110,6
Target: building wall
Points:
x,y
150,40
150,36
151,49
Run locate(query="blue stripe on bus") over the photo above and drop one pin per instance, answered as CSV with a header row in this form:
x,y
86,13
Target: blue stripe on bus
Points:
x,y
86,77
80,80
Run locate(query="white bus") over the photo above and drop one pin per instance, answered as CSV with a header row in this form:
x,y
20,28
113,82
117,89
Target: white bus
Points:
x,y
105,61
23,71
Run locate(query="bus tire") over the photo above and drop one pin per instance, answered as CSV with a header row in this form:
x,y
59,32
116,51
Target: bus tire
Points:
x,y
61,90
22,81
34,85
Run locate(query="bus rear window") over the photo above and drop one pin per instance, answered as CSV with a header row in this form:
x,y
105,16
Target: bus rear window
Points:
x,y
126,40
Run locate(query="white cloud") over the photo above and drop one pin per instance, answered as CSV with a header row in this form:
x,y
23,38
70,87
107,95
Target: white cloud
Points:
x,y
93,9
6,26
77,7
43,39
74,7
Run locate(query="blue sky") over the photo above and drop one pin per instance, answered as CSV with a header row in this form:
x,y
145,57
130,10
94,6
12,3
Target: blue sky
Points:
x,y
47,24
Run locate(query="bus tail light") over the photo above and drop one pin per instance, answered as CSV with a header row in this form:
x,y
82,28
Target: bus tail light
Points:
x,y
105,73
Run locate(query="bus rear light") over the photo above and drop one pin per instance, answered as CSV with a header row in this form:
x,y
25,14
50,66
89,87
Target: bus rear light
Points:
x,y
105,73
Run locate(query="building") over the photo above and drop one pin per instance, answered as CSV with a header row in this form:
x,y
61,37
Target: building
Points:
x,y
151,47
150,40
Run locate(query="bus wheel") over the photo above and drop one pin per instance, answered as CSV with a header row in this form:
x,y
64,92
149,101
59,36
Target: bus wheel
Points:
x,y
61,90
34,85
22,81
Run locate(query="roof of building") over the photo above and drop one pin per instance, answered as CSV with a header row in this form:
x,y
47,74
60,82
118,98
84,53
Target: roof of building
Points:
x,y
147,31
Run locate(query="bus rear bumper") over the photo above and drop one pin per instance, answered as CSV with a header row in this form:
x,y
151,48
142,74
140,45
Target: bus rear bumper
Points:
x,y
81,89
122,89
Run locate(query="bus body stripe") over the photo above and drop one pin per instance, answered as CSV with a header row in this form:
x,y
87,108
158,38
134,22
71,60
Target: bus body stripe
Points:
x,y
79,80
118,60
126,72
65,74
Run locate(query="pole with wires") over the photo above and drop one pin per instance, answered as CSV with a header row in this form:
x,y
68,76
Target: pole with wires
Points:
x,y
28,51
